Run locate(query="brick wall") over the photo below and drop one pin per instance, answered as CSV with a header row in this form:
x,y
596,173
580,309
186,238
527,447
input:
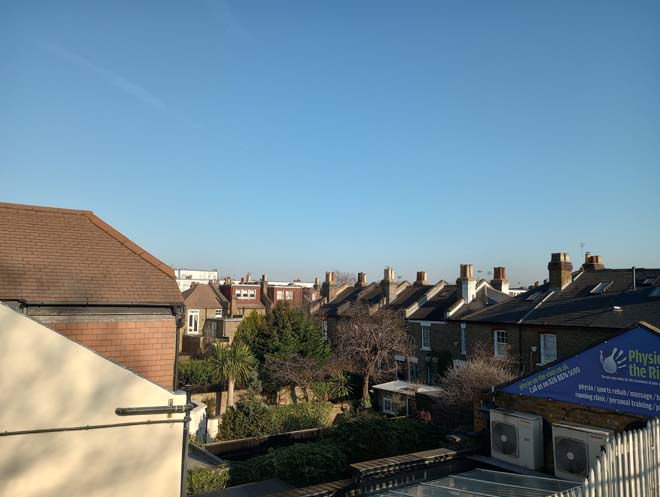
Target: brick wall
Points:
x,y
521,339
145,346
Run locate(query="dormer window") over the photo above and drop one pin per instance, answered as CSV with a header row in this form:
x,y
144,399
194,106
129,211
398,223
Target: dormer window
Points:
x,y
601,287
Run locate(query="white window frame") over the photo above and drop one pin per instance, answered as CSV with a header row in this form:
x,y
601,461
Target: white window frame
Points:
x,y
425,336
388,403
324,329
463,338
193,314
500,343
548,356
279,295
288,294
218,313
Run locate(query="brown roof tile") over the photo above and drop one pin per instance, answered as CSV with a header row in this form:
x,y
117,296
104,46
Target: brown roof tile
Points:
x,y
64,256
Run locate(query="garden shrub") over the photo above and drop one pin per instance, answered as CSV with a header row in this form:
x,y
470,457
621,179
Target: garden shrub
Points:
x,y
196,372
300,464
370,436
245,420
301,416
256,419
206,479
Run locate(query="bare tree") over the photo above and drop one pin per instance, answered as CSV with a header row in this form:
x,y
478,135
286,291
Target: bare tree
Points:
x,y
480,371
298,370
368,342
344,278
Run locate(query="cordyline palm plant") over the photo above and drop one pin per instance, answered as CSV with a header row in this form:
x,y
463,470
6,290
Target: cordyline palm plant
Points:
x,y
232,364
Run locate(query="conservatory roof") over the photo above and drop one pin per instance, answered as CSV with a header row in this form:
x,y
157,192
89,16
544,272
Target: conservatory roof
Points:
x,y
482,483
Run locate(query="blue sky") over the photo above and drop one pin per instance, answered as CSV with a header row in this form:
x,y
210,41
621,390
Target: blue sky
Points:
x,y
296,137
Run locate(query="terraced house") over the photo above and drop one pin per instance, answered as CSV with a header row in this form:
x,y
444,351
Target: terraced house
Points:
x,y
436,326
70,270
571,311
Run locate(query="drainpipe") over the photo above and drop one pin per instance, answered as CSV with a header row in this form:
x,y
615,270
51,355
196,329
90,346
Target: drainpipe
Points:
x,y
179,315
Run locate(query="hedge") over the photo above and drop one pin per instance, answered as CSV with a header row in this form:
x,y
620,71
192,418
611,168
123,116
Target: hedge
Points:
x,y
206,479
300,464
195,372
359,438
256,419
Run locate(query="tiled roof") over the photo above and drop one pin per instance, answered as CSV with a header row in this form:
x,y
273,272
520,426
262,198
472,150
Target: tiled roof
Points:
x,y
203,297
620,305
63,256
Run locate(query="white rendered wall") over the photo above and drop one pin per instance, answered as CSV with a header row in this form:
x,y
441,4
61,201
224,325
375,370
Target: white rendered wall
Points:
x,y
50,382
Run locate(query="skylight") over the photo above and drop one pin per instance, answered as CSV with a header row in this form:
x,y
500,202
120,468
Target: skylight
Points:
x,y
601,287
533,297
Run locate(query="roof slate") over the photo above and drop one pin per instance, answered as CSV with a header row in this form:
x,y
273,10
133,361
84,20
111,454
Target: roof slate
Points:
x,y
64,256
577,306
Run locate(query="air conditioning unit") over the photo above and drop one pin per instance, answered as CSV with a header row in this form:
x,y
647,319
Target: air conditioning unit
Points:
x,y
576,448
516,437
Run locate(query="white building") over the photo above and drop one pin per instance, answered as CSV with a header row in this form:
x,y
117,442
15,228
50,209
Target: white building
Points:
x,y
186,277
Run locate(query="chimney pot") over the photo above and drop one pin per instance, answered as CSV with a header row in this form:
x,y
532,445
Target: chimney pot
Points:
x,y
499,282
593,262
264,277
361,279
242,279
389,285
329,287
422,278
466,284
467,271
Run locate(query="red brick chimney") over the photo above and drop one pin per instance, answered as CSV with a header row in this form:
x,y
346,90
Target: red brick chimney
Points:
x,y
560,269
422,279
499,281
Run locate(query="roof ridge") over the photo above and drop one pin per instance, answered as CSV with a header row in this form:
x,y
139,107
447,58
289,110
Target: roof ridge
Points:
x,y
41,208
126,242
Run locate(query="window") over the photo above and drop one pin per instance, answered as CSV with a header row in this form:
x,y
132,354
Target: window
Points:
x,y
601,287
245,293
388,406
288,295
193,321
324,329
501,340
426,336
279,295
218,313
463,338
548,348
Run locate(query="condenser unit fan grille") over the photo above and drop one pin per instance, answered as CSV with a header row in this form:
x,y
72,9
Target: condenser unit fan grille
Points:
x,y
571,456
505,438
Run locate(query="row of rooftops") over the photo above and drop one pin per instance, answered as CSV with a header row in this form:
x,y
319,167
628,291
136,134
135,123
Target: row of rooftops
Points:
x,y
592,296
53,256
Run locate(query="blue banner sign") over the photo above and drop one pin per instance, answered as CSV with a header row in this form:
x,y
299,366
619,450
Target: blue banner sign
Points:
x,y
622,374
